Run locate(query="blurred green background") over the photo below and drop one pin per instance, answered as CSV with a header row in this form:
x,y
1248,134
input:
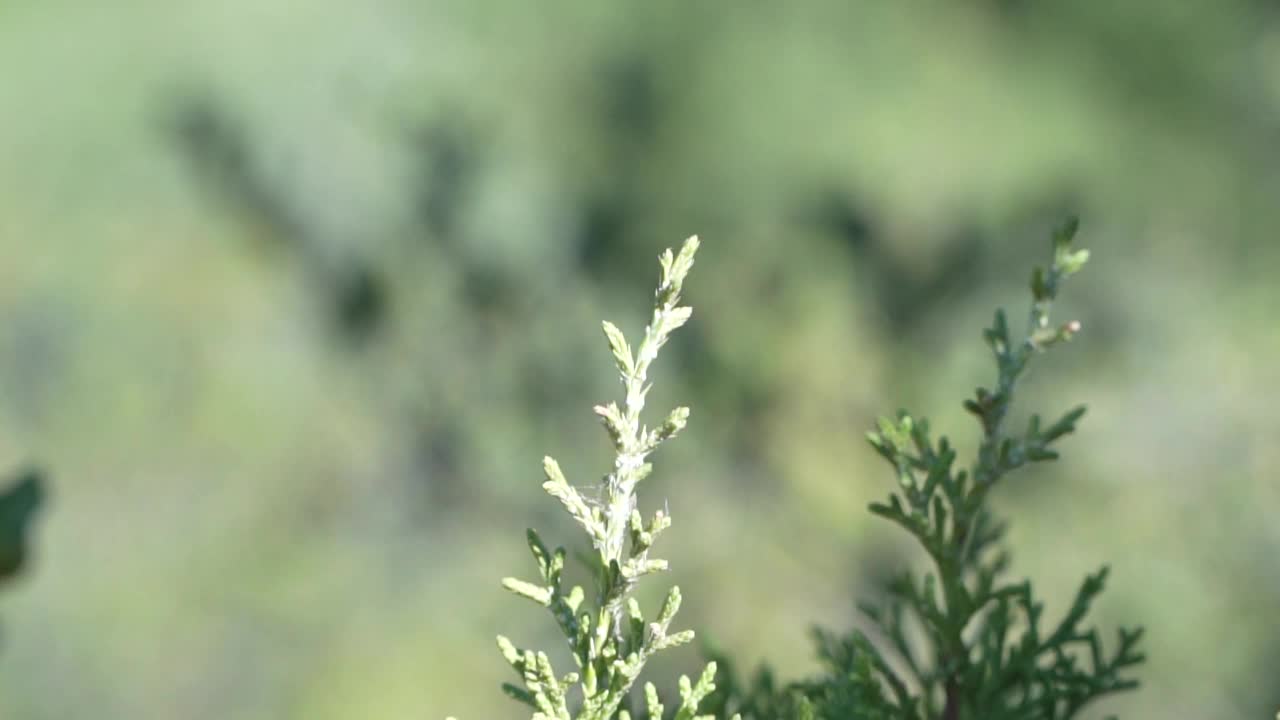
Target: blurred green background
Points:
x,y
295,296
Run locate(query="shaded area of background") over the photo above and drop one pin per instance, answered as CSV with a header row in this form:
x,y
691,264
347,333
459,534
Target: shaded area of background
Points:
x,y
293,301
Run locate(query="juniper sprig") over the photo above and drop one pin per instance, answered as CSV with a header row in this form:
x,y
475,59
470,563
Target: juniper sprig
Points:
x,y
990,656
609,637
959,643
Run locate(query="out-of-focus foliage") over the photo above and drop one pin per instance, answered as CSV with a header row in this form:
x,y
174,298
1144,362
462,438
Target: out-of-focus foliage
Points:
x,y
19,501
292,296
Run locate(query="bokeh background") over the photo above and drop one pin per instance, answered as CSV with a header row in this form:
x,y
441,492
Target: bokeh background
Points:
x,y
295,296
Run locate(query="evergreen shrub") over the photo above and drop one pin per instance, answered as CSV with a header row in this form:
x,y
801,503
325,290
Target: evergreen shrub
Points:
x,y
956,642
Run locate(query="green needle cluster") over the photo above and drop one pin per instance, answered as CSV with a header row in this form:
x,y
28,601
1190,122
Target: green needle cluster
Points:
x,y
956,642
609,637
959,642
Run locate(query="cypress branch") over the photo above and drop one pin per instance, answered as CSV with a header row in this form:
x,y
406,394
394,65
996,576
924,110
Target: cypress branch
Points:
x,y
610,640
987,653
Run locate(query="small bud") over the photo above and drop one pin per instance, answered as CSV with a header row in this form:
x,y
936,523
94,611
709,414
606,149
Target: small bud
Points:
x,y
551,469
621,351
670,606
540,595
613,421
1039,286
674,423
683,637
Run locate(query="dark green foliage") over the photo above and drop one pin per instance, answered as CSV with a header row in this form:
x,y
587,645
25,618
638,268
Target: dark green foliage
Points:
x,y
18,505
958,642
